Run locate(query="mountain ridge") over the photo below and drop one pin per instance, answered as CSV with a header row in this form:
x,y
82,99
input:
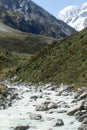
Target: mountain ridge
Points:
x,y
27,16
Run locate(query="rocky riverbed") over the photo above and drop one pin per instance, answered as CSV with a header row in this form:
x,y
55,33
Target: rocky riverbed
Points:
x,y
43,107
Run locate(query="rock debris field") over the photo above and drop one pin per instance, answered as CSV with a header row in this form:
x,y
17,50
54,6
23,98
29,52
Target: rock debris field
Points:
x,y
42,107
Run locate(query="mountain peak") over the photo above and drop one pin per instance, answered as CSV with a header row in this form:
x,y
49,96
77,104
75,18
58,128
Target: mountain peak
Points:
x,y
27,16
84,5
68,11
75,16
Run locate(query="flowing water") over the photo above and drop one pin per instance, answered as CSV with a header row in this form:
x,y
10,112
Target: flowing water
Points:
x,y
18,113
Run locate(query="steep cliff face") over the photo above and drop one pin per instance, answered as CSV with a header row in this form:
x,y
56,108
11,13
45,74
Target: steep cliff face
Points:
x,y
27,16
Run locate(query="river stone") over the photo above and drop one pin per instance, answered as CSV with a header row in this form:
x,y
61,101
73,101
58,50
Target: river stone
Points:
x,y
14,96
84,121
61,111
34,97
21,127
83,127
85,104
83,95
58,122
52,105
84,116
34,116
42,107
75,109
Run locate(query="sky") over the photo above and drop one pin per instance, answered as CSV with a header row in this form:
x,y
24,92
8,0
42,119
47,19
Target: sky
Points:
x,y
54,6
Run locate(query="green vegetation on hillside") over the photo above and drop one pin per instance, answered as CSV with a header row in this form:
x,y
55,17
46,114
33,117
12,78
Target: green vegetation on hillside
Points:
x,y
65,62
23,42
17,47
9,61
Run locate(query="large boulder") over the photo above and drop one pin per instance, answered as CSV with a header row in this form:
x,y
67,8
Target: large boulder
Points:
x,y
75,109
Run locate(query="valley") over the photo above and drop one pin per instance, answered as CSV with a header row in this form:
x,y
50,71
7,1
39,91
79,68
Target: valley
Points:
x,y
43,69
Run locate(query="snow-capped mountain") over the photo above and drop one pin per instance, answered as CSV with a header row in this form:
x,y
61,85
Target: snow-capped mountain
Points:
x,y
27,16
75,16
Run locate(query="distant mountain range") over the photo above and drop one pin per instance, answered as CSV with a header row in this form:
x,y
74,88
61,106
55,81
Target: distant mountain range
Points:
x,y
27,16
75,16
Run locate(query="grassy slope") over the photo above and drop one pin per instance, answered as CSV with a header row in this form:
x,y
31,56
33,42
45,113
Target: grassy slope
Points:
x,y
22,42
59,63
17,47
9,61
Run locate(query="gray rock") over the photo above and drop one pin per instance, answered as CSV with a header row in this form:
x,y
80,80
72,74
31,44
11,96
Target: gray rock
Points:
x,y
59,94
75,109
52,105
84,121
85,104
14,96
21,127
58,122
61,111
83,127
42,107
82,117
83,95
78,114
34,97
34,116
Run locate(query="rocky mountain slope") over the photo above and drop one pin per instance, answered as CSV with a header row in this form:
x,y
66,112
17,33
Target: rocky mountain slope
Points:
x,y
27,16
59,63
75,16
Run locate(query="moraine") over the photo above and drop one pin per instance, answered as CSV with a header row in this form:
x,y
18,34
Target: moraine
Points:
x,y
23,111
